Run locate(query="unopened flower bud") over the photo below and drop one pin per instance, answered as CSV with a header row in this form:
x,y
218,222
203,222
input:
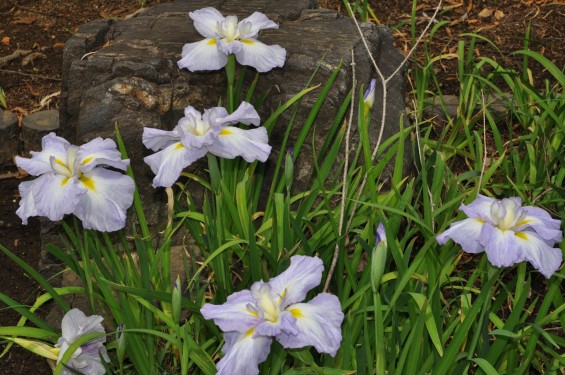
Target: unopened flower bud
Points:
x,y
378,258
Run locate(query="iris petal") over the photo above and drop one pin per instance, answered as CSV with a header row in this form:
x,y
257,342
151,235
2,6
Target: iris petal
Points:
x,y
27,205
479,208
157,139
206,21
55,195
541,222
319,324
100,152
203,55
39,163
196,132
234,315
214,115
466,233
250,144
303,274
543,257
76,324
86,358
261,56
245,113
501,246
249,27
109,194
169,163
243,353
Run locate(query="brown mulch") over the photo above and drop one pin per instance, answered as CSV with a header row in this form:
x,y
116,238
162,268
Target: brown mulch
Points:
x,y
504,22
32,37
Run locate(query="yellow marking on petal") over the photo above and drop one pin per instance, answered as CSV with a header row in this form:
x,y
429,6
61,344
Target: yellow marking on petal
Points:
x,y
296,313
248,41
524,222
179,146
480,221
225,132
250,332
88,182
254,313
212,42
60,162
87,160
522,235
64,182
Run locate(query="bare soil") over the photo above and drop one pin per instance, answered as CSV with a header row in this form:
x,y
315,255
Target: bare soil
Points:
x,y
38,29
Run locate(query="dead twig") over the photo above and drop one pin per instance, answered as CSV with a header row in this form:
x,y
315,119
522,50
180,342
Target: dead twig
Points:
x,y
46,100
345,171
384,86
14,55
10,175
29,75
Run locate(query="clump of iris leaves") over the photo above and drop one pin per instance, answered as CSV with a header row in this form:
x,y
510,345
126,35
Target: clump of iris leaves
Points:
x,y
436,309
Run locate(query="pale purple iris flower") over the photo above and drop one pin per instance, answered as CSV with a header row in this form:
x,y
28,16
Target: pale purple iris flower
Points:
x,y
509,233
369,96
224,36
197,134
87,358
381,235
74,179
251,318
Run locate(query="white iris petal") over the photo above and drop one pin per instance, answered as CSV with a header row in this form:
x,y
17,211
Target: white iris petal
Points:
x,y
196,134
67,173
225,36
509,233
251,318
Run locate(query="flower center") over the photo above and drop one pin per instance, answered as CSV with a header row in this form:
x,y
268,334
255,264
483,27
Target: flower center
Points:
x,y
200,128
65,167
228,29
507,213
270,306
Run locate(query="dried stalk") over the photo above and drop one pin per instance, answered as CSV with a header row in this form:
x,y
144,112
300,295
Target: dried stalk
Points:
x,y
14,55
384,84
345,170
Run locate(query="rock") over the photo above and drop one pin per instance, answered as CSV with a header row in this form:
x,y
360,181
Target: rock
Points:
x,y
9,138
36,126
125,72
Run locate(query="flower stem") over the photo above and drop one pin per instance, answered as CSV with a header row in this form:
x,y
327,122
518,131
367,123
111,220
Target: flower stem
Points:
x,y
230,74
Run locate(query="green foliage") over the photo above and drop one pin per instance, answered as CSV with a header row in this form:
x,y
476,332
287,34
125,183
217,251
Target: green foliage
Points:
x,y
419,308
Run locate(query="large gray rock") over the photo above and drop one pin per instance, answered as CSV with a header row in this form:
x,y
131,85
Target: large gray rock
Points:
x,y
125,72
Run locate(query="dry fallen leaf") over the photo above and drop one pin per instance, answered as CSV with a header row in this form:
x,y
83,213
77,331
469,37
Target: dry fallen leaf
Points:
x,y
487,12
25,20
31,57
59,45
498,14
6,40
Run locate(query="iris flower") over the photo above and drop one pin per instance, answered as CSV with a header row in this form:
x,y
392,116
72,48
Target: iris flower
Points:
x,y
251,318
74,180
85,359
197,134
224,36
369,96
509,233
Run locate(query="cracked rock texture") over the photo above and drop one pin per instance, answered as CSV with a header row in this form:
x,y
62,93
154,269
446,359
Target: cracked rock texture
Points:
x,y
125,72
